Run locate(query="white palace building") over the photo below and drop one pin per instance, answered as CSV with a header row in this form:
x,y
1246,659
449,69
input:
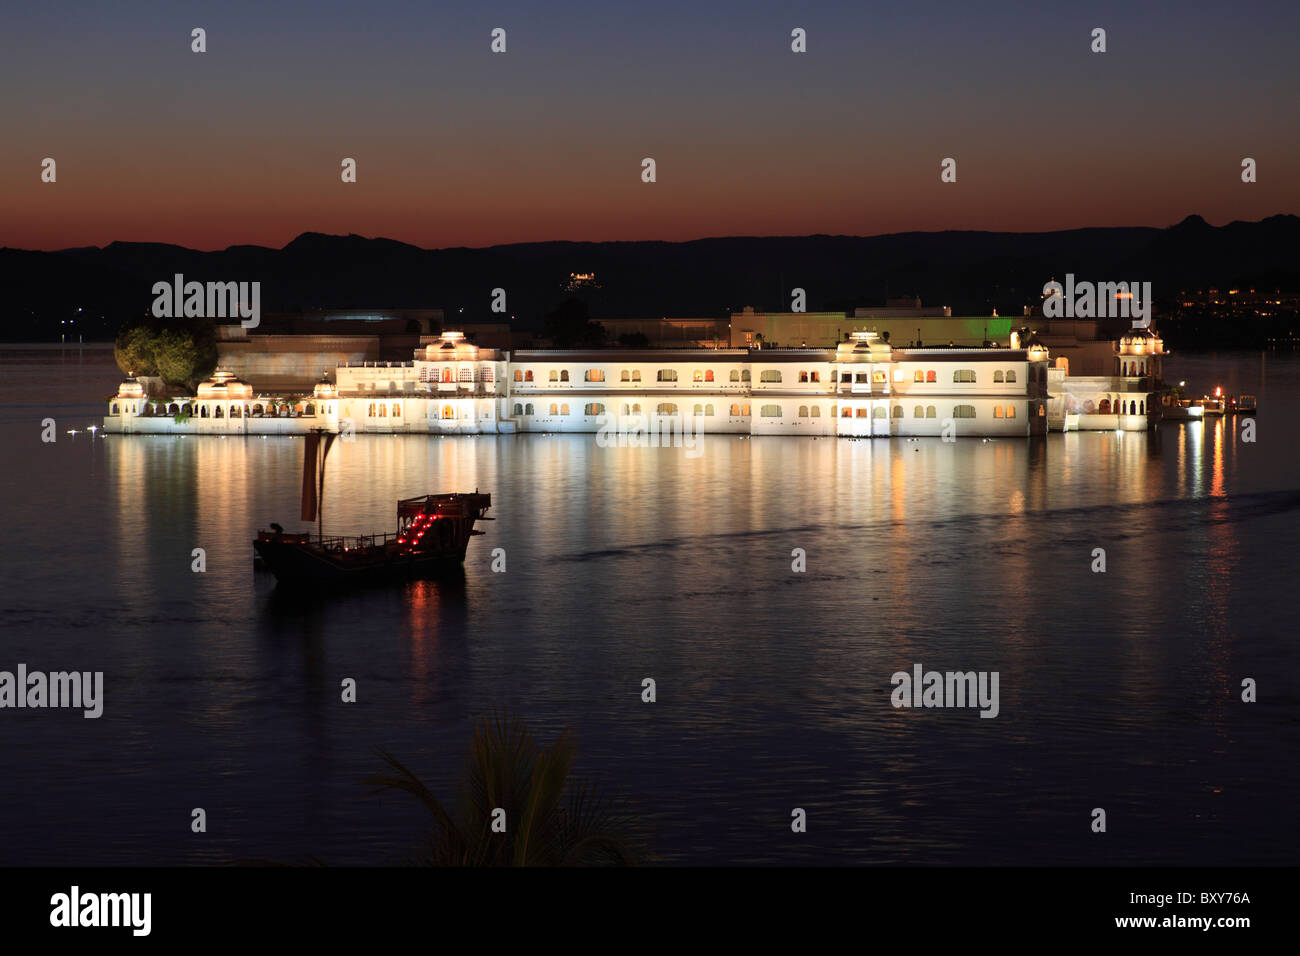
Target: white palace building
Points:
x,y
863,387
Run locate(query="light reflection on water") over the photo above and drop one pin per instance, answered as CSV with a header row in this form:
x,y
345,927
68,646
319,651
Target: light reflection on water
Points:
x,y
1117,690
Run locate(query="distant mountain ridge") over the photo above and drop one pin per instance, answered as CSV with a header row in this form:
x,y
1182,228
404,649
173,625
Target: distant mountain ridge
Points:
x,y
973,272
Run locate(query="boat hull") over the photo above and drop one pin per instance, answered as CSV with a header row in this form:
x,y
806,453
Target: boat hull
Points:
x,y
298,565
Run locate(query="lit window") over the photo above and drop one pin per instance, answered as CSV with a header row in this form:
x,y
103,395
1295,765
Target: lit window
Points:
x,y
918,376
594,375
997,411
594,408
930,377
1011,411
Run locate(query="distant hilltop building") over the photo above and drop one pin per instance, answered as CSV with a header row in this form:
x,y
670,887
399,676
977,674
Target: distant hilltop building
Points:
x,y
581,280
863,386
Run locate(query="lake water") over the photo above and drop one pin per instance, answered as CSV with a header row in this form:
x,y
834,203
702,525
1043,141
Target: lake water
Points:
x,y
1118,690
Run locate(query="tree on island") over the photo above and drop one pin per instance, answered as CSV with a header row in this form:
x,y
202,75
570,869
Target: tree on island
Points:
x,y
569,324
181,353
519,807
634,340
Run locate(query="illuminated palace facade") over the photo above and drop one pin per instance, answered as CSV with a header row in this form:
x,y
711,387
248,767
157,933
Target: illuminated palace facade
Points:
x,y
863,387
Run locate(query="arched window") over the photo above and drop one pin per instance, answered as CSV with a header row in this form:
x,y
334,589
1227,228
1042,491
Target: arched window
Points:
x,y
555,375
918,412
310,409
666,408
114,409
622,409
519,375
519,409
708,411
963,411
930,376
594,375
383,410
636,375
816,376
564,408
735,375
878,412
744,375
564,375
636,408
879,377
816,411
370,412
1103,408
803,376
528,375
446,375
236,411
203,411
803,411
1011,376
555,409
699,409
770,411
397,411
666,375
770,375
964,375
218,411
594,408
1011,411
1132,408
1142,408
744,409
997,377
448,412
918,376
897,411
528,409
997,411
735,410
624,376
930,412
861,413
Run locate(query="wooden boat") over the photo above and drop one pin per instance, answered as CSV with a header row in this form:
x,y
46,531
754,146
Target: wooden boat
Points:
x,y
433,533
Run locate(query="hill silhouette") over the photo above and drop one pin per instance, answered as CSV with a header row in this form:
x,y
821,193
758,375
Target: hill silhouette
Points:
x,y
972,272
